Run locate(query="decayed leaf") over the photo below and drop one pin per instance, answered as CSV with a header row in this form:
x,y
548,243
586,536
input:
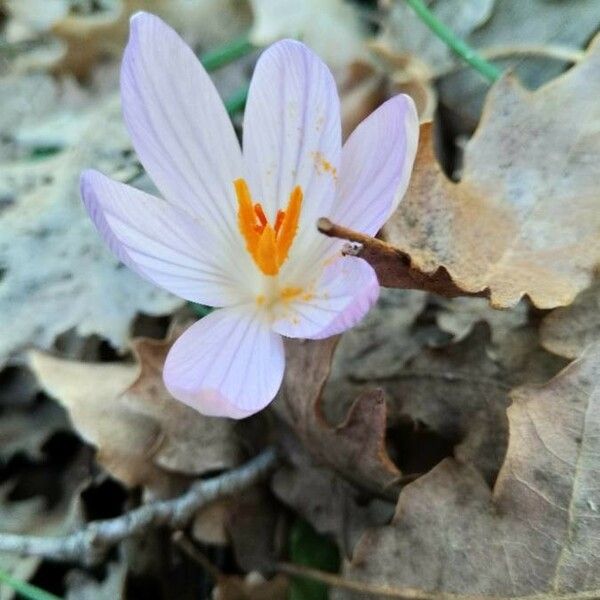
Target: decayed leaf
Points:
x,y
86,38
252,587
568,331
459,315
524,219
51,255
143,435
413,56
81,586
405,33
255,526
53,515
447,396
356,447
328,502
536,533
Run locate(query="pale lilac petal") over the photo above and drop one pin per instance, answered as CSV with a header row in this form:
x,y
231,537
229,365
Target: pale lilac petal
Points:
x,y
292,133
377,160
179,126
161,242
228,364
341,298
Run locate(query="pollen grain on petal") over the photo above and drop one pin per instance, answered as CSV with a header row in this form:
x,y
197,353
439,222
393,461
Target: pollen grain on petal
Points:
x,y
323,166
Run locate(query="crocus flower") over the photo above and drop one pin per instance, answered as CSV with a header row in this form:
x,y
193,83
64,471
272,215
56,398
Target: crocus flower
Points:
x,y
237,228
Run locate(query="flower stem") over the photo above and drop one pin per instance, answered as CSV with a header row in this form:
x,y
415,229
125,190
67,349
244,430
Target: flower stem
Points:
x,y
457,45
25,589
223,55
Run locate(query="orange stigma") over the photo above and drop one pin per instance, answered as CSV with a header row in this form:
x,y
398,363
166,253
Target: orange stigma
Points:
x,y
268,245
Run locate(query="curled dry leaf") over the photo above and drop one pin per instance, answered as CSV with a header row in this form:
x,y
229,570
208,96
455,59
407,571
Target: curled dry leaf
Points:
x,y
536,533
143,436
356,447
569,330
524,219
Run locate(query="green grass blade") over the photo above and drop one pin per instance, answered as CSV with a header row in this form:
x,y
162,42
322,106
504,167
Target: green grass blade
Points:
x,y
26,590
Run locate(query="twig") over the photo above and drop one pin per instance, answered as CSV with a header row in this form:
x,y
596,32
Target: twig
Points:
x,y
550,51
393,267
385,591
90,544
188,548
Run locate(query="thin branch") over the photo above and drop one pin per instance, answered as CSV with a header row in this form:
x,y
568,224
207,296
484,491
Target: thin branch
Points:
x,y
90,544
386,591
393,267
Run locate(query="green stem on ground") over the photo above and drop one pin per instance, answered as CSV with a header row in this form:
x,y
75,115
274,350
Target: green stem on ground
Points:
x,y
456,44
227,53
25,589
236,102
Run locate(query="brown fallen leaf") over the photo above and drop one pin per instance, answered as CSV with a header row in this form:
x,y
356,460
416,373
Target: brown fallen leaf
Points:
x,y
569,330
524,219
332,505
256,528
90,37
251,587
536,533
143,436
356,447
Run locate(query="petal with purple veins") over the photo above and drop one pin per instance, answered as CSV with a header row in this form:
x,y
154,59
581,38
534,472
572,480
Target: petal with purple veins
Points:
x,y
228,364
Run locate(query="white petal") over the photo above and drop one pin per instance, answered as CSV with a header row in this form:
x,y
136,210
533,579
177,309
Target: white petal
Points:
x,y
292,133
228,364
162,243
179,126
341,298
377,160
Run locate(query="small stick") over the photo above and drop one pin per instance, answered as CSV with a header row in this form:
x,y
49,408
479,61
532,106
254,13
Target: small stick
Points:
x,y
90,544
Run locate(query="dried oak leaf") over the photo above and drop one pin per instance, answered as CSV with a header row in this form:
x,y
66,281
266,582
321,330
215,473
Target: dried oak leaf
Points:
x,y
328,502
143,436
524,220
536,533
569,330
356,447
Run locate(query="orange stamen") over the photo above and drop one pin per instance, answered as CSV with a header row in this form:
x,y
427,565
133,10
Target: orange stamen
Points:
x,y
269,246
289,225
279,220
260,213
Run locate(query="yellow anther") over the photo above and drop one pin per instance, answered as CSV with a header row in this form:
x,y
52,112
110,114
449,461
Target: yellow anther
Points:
x,y
268,245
